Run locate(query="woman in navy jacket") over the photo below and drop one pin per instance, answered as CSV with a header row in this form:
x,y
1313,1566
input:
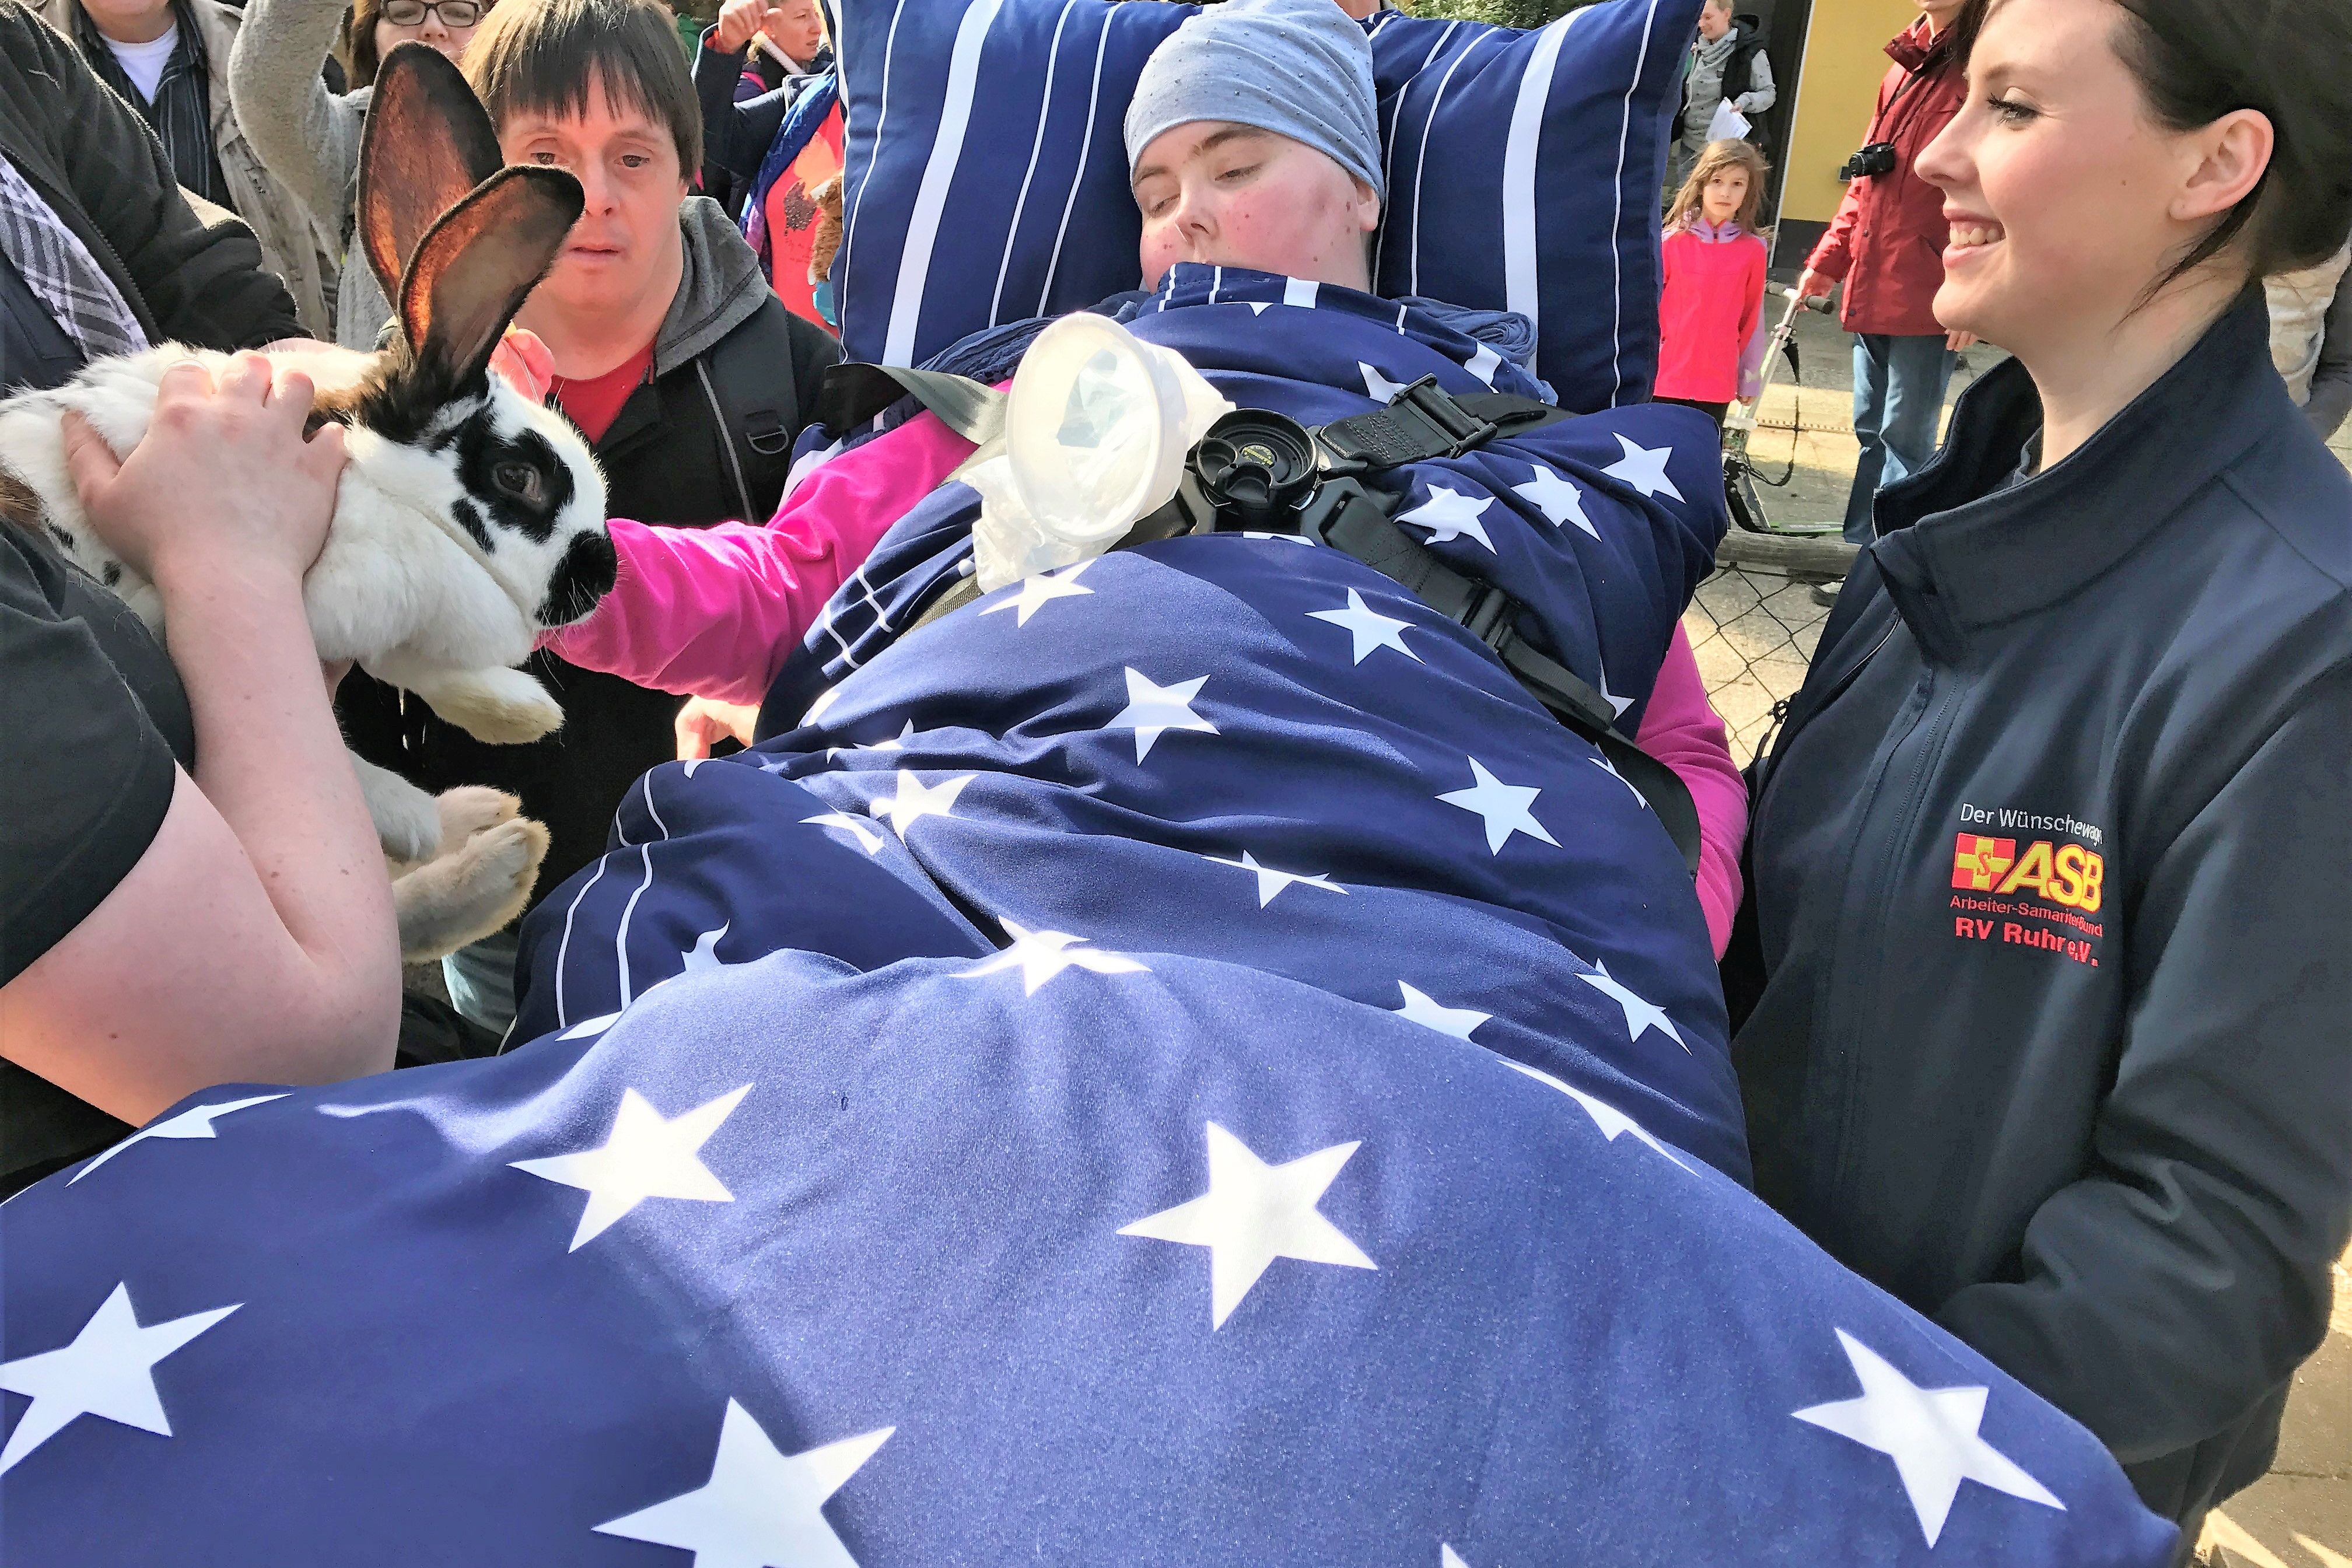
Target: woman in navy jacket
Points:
x,y
2048,963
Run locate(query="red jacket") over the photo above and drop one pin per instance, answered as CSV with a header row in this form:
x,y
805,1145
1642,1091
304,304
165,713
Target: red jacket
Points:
x,y
1887,239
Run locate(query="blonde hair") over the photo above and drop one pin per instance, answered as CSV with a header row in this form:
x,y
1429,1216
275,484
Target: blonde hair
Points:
x,y
1719,157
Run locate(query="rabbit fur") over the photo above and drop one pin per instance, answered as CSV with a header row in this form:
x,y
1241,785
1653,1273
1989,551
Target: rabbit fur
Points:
x,y
468,519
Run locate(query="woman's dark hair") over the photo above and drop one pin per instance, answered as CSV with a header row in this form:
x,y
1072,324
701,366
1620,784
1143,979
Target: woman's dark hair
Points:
x,y
2197,60
361,60
541,55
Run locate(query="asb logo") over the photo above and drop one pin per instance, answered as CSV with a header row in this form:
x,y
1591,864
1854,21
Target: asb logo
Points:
x,y
2064,874
1979,863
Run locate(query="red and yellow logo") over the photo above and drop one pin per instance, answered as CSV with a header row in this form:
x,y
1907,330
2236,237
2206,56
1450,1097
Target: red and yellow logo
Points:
x,y
2065,874
1978,862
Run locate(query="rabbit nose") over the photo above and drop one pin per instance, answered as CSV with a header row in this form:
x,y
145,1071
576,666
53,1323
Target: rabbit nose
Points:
x,y
579,581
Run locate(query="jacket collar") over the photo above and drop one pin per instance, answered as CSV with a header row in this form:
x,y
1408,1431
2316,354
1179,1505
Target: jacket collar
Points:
x,y
1958,553
1911,47
719,288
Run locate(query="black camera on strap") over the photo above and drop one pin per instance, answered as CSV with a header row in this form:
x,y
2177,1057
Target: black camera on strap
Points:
x,y
1257,472
1875,158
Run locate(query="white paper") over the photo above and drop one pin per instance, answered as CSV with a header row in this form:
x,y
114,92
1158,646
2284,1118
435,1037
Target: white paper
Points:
x,y
1729,125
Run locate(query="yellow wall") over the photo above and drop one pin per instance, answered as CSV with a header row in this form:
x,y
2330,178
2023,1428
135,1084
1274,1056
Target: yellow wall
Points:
x,y
1845,56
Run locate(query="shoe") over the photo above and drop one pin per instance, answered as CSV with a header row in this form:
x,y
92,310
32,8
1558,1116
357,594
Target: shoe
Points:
x,y
1826,594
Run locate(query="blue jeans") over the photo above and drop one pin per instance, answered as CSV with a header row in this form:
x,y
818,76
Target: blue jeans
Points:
x,y
1898,402
480,978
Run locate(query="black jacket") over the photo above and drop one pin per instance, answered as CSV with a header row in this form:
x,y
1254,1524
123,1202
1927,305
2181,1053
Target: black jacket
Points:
x,y
708,439
190,272
2051,912
1738,74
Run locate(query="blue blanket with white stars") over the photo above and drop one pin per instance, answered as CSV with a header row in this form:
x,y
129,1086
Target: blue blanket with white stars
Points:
x,y
1178,1061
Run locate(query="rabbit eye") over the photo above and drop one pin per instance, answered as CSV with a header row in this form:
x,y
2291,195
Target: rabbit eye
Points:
x,y
517,481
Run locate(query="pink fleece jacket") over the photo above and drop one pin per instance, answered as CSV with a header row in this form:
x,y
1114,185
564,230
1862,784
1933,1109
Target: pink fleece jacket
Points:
x,y
714,612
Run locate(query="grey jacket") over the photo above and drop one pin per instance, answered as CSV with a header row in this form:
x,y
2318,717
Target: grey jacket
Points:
x,y
295,244
309,138
2310,338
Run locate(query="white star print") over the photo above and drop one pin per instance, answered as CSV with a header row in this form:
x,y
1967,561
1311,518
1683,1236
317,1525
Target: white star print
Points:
x,y
856,827
1252,1214
1504,808
1450,514
1151,709
1256,307
1449,1558
1604,765
108,1372
1459,1021
196,1122
1617,704
1556,498
1300,293
1367,629
1377,387
704,953
1271,882
1041,590
1645,469
1640,1017
1041,954
645,1157
914,801
760,1507
896,744
1484,363
1612,1122
1929,1433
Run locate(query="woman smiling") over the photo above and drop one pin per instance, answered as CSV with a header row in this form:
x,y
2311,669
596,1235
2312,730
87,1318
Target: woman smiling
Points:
x,y
2046,968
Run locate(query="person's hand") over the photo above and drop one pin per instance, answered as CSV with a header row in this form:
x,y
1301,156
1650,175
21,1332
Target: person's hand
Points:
x,y
1959,341
527,364
1813,285
703,723
225,476
738,21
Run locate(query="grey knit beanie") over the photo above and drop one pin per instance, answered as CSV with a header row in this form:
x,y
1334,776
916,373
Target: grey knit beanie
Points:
x,y
1299,68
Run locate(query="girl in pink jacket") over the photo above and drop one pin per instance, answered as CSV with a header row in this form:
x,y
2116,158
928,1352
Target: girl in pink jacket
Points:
x,y
1712,310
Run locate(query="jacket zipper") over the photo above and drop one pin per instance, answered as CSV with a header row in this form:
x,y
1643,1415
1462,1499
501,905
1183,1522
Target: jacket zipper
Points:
x,y
726,439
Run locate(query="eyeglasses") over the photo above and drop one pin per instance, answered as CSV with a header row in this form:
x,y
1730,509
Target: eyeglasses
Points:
x,y
453,13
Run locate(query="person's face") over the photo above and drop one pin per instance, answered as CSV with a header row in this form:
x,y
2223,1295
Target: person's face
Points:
x,y
1233,196
130,21
626,241
2065,199
1725,193
1713,23
437,25
796,28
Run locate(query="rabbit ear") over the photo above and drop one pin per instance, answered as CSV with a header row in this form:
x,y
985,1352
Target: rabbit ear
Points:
x,y
474,267
428,142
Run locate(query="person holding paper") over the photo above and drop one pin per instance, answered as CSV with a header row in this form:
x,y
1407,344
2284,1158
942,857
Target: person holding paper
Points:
x,y
1727,87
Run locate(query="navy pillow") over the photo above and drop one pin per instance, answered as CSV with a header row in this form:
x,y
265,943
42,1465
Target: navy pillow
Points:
x,y
987,173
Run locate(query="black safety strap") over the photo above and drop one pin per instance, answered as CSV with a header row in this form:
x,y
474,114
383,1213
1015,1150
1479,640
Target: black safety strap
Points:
x,y
1356,521
853,394
1421,422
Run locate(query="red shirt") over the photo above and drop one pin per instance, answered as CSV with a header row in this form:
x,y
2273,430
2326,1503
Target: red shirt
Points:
x,y
1709,312
792,219
1887,239
595,402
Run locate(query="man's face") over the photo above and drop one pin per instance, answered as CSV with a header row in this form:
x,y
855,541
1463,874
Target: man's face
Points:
x,y
1714,22
1233,196
626,241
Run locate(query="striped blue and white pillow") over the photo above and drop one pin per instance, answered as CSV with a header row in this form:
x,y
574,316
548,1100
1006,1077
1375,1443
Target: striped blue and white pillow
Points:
x,y
987,175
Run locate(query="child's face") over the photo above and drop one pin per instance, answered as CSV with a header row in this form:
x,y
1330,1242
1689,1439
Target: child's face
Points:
x,y
1725,193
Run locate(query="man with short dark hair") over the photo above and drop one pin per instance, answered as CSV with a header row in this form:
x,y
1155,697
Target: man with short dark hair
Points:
x,y
686,373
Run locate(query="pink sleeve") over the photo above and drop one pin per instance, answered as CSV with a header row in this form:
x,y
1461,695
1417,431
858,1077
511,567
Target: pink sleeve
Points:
x,y
713,611
1752,346
1679,728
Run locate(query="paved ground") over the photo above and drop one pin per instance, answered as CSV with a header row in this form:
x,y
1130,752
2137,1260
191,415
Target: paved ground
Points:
x,y
1753,632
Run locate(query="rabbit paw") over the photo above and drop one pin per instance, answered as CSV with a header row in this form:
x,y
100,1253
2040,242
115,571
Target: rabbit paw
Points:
x,y
501,706
408,821
466,894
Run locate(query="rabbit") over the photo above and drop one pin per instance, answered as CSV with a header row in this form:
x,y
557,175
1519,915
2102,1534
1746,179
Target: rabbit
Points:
x,y
468,518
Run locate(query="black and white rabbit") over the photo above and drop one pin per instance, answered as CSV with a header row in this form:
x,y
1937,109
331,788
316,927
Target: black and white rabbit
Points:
x,y
468,518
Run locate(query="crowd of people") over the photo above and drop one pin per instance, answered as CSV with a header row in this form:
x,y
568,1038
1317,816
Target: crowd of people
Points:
x,y
2078,1089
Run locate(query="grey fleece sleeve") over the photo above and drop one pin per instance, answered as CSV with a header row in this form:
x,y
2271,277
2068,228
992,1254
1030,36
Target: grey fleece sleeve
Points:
x,y
306,135
2178,1283
2331,383
1762,93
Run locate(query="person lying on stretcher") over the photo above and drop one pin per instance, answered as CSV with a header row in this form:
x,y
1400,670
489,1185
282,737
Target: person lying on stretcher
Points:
x,y
1277,176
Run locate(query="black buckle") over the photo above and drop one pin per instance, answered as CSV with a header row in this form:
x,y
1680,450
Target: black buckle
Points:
x,y
1420,423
